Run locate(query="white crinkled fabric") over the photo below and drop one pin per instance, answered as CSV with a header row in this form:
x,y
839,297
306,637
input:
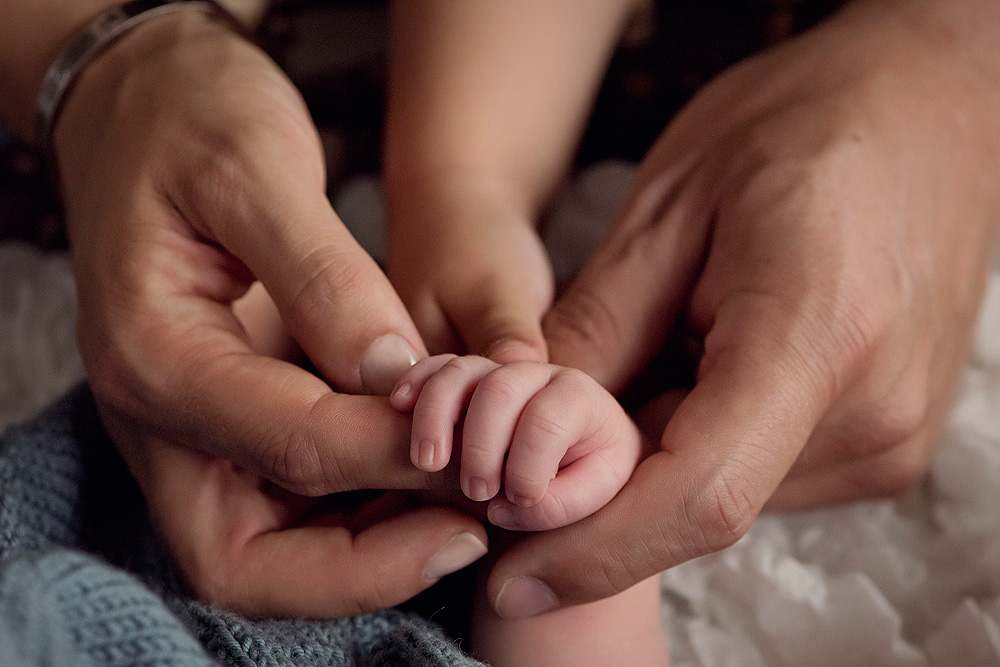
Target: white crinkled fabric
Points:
x,y
912,582
909,582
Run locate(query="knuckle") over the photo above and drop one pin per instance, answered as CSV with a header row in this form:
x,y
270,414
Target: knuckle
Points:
x,y
858,330
523,483
554,511
901,418
540,428
549,513
370,594
218,180
298,462
724,512
614,573
327,272
571,376
887,424
575,380
290,462
466,366
480,455
500,386
892,474
224,168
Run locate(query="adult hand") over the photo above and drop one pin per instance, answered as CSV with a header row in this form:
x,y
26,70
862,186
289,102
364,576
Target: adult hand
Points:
x,y
824,215
189,168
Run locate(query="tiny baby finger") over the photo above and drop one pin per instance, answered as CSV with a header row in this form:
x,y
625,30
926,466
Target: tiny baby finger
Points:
x,y
439,407
490,421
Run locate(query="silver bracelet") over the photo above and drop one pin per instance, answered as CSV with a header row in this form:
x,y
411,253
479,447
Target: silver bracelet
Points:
x,y
95,38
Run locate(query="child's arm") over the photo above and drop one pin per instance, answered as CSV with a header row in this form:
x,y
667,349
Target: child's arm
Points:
x,y
557,442
486,103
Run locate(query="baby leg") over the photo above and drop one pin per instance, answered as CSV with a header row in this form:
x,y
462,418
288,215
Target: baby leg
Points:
x,y
621,630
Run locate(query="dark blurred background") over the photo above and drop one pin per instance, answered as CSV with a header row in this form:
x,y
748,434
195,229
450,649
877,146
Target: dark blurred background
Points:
x,y
335,52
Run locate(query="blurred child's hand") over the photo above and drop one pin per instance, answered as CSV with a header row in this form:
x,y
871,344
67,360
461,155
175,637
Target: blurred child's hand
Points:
x,y
559,445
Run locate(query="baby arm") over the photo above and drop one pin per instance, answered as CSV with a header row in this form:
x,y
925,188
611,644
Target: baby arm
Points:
x,y
558,444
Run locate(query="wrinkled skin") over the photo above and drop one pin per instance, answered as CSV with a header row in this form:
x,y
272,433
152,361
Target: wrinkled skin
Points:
x,y
190,168
823,216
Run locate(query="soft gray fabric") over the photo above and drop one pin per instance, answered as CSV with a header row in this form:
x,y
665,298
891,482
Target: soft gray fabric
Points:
x,y
83,581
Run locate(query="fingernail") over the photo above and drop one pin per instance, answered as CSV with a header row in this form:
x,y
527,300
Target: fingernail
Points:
x,y
425,453
478,489
387,358
460,551
524,597
403,392
501,516
520,501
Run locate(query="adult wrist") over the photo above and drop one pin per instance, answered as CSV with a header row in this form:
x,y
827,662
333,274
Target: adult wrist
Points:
x,y
86,49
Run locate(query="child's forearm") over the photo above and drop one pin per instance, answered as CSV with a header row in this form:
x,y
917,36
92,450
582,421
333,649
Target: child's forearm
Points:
x,y
494,91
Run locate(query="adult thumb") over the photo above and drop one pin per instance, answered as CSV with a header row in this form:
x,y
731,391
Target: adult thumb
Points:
x,y
332,296
616,313
724,451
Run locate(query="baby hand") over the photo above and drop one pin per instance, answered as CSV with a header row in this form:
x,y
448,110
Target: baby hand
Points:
x,y
557,442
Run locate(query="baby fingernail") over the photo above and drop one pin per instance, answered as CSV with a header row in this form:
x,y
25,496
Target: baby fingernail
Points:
x,y
385,360
501,516
520,501
478,489
403,392
524,597
460,551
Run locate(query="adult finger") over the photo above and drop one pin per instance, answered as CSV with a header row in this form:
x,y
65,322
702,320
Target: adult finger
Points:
x,y
168,356
725,450
618,310
883,475
232,537
303,436
336,302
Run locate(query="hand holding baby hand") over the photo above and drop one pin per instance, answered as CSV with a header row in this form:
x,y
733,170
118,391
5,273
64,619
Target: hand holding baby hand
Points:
x,y
182,186
819,215
553,439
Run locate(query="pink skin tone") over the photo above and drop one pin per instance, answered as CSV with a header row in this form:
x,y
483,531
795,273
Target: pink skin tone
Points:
x,y
554,440
546,446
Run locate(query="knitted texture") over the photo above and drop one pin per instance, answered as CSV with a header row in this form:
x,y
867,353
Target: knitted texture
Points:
x,y
84,582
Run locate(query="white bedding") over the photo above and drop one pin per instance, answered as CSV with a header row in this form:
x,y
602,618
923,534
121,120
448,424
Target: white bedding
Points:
x,y
915,581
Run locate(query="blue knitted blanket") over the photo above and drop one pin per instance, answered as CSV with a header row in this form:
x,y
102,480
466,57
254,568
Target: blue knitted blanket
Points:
x,y
83,581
